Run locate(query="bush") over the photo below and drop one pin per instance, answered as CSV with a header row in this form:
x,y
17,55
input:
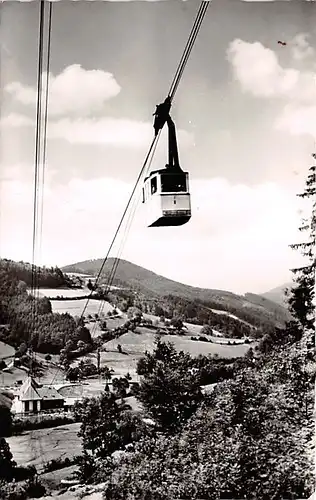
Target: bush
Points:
x,y
13,491
207,330
24,473
2,364
19,425
32,488
59,463
203,339
103,325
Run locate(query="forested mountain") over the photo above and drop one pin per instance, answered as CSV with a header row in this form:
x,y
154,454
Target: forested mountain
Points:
x,y
250,308
44,331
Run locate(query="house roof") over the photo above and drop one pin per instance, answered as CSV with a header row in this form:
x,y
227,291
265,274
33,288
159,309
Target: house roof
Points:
x,y
32,391
49,392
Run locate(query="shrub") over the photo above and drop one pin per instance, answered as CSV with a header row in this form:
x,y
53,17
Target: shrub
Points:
x,y
2,364
24,473
19,425
60,463
32,488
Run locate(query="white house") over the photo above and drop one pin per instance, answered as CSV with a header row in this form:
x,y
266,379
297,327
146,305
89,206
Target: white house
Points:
x,y
33,398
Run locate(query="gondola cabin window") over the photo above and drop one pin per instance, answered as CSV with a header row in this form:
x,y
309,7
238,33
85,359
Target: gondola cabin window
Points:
x,y
153,185
173,183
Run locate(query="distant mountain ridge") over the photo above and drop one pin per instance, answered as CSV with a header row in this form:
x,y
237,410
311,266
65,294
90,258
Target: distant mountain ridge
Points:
x,y
277,294
149,283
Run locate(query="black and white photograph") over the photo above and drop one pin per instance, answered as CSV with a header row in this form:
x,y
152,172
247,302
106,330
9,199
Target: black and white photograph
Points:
x,y
157,249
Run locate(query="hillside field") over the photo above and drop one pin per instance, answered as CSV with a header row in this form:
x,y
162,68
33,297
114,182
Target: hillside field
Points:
x,y
75,307
6,351
135,344
63,292
42,445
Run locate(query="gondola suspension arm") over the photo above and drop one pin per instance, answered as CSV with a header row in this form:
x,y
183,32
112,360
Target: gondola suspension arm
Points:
x,y
162,118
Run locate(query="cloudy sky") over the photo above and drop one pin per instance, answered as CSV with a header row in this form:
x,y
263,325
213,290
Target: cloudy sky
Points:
x,y
245,112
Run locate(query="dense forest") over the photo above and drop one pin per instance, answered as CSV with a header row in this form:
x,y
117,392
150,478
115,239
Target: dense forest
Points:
x,y
44,331
198,312
46,277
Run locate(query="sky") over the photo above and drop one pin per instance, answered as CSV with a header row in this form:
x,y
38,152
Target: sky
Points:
x,y
245,112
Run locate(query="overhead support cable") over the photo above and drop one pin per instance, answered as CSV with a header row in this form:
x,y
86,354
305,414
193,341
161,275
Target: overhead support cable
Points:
x,y
40,153
44,156
36,159
120,224
188,48
174,86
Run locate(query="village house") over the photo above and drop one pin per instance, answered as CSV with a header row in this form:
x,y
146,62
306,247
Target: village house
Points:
x,y
34,398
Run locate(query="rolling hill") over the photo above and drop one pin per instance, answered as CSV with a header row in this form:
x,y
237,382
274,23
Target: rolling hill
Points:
x,y
249,307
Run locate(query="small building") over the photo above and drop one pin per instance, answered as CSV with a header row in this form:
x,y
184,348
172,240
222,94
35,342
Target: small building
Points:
x,y
33,398
69,403
209,388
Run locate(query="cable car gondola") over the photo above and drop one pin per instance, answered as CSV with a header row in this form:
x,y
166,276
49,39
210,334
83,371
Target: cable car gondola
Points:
x,y
166,191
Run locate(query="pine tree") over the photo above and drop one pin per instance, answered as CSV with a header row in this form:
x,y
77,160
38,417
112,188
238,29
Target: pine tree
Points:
x,y
301,296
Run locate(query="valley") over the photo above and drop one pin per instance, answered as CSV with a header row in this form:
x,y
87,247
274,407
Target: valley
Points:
x,y
80,355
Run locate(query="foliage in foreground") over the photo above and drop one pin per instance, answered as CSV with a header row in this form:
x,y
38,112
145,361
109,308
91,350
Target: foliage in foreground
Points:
x,y
170,390
16,483
32,488
243,443
107,425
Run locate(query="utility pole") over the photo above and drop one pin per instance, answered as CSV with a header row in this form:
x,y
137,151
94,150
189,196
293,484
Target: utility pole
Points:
x,y
99,359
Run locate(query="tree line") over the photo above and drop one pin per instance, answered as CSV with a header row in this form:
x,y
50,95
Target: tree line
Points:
x,y
46,277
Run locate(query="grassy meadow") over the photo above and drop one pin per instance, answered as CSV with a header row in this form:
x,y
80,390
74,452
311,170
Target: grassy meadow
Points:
x,y
6,351
39,446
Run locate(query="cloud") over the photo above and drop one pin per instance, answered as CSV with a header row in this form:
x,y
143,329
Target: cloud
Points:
x,y
259,72
75,91
76,97
115,132
297,120
108,131
16,120
237,238
301,48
